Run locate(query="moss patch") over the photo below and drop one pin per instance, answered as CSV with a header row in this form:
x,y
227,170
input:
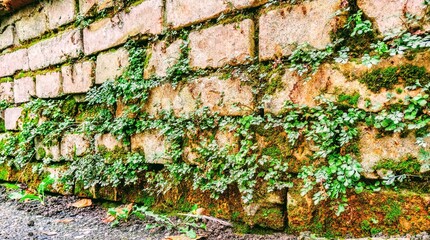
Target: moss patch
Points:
x,y
387,78
410,165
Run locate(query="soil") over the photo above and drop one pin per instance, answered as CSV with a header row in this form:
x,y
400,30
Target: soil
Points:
x,y
56,219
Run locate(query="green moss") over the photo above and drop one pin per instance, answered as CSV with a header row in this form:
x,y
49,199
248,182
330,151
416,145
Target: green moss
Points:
x,y
380,78
410,74
410,165
407,74
6,79
4,173
392,212
41,152
350,99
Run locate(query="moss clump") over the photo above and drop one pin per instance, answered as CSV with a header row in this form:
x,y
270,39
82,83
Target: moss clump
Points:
x,y
380,78
410,74
407,74
350,99
410,165
392,212
41,152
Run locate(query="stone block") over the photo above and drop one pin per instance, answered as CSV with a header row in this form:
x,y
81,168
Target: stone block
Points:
x,y
223,44
226,97
74,145
59,12
44,151
23,89
55,50
374,149
109,142
162,57
13,62
78,78
7,38
31,26
153,145
48,85
389,15
11,118
310,22
145,18
6,92
181,13
111,65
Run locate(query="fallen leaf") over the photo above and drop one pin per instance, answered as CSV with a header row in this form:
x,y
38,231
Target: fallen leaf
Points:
x,y
179,237
108,219
200,211
82,203
119,211
65,220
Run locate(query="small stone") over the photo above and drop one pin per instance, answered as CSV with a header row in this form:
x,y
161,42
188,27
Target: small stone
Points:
x,y
30,223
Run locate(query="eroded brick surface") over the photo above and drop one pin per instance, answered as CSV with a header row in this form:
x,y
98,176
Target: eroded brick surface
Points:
x,y
13,62
55,50
310,22
389,15
11,118
23,89
6,38
6,91
223,44
78,78
59,12
108,142
162,57
145,18
182,13
31,26
111,65
48,85
153,145
74,145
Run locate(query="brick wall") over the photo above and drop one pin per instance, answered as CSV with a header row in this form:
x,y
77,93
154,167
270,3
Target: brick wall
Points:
x,y
64,48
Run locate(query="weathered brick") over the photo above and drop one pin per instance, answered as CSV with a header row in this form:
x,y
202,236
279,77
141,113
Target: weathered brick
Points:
x,y
223,44
55,50
310,22
182,13
78,78
6,38
13,62
161,58
153,145
108,142
389,15
59,12
48,85
6,91
144,18
23,89
85,6
227,97
74,145
31,26
11,118
110,65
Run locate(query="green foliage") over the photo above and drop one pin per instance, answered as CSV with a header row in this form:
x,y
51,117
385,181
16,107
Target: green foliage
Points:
x,y
38,196
358,25
409,166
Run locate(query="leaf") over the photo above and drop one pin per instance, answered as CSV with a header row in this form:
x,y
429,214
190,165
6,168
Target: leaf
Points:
x,y
82,203
179,237
65,220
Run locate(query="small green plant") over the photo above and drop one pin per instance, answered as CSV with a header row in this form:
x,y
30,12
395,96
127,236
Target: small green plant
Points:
x,y
357,25
38,196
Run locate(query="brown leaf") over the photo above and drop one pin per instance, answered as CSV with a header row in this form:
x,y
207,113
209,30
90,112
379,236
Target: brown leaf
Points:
x,y
119,210
200,211
82,203
108,219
